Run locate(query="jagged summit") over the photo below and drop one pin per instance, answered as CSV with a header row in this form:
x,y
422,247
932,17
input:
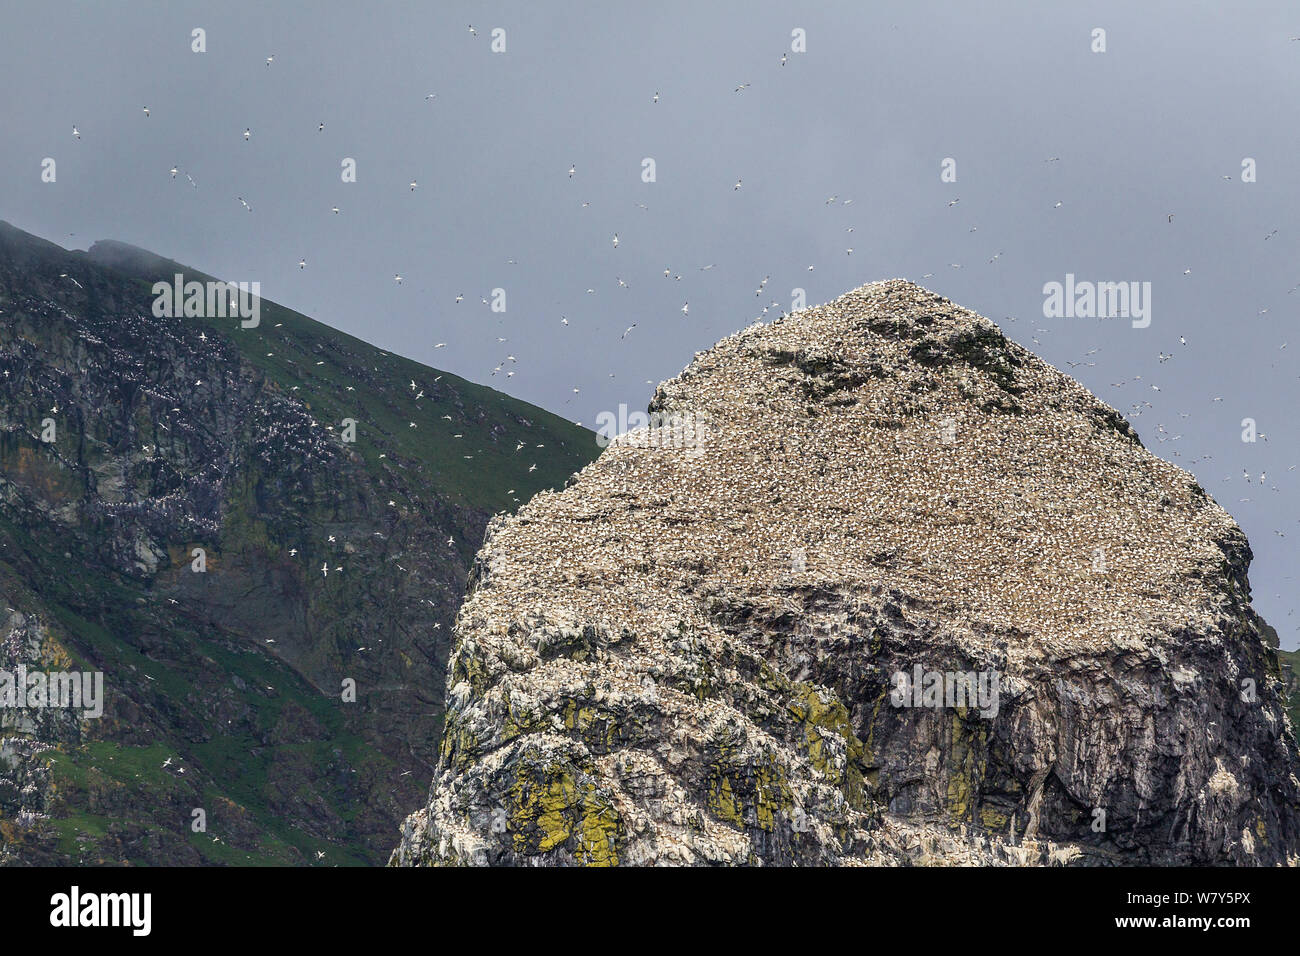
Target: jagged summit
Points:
x,y
687,654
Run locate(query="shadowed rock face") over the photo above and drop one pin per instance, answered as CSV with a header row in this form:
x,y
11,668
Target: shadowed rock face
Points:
x,y
688,655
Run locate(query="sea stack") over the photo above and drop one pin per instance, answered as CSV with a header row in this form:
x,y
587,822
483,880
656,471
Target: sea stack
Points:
x,y
876,586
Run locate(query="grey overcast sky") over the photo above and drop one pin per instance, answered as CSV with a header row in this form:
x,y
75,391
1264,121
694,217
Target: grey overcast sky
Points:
x,y
1158,124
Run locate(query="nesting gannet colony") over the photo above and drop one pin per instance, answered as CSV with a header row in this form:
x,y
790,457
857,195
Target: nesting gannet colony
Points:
x,y
734,638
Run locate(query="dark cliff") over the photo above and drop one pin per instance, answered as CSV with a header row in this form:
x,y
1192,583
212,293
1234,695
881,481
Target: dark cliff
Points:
x,y
325,561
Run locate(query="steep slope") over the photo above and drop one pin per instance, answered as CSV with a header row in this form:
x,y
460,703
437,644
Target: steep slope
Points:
x,y
129,441
739,636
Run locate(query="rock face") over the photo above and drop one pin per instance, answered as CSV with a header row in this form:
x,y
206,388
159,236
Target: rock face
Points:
x,y
127,443
690,654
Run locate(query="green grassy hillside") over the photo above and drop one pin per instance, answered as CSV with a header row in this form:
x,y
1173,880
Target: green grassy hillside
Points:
x,y
317,364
